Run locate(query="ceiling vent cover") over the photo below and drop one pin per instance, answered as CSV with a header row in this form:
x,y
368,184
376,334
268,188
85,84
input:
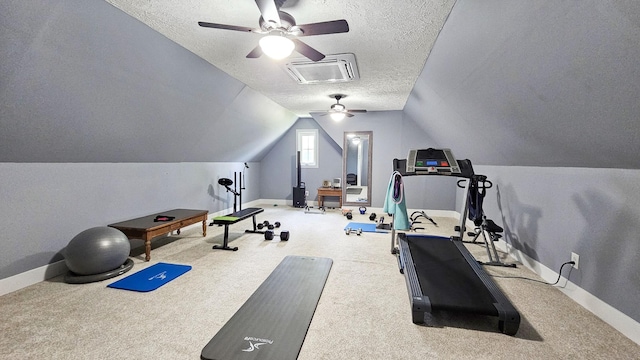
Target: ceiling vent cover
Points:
x,y
331,69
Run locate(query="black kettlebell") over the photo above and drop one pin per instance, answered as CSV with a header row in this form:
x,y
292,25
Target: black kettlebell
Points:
x,y
372,217
349,216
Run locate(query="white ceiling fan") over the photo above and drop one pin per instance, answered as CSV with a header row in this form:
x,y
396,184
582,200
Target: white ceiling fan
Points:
x,y
338,111
282,32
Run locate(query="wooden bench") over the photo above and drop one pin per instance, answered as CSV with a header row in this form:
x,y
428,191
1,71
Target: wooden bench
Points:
x,y
233,218
147,227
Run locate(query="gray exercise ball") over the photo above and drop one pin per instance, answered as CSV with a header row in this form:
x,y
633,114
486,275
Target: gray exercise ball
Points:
x,y
97,250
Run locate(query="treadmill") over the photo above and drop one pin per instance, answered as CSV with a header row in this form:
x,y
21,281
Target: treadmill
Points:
x,y
440,273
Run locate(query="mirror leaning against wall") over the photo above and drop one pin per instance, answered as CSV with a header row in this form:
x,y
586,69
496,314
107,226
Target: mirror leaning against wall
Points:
x,y
356,168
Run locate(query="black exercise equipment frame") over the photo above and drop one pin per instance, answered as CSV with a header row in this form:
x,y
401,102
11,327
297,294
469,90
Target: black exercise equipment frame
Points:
x,y
237,194
484,226
240,215
508,316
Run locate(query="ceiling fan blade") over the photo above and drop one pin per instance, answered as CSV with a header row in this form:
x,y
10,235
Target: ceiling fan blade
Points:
x,y
269,11
357,111
307,50
226,27
255,53
347,114
327,27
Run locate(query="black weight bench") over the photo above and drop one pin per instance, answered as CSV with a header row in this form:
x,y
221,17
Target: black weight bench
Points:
x,y
233,218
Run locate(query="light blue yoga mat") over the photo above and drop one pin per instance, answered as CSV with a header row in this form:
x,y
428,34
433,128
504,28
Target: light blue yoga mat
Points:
x,y
366,227
151,278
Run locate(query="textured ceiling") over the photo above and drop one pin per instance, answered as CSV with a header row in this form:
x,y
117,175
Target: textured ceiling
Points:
x,y
390,40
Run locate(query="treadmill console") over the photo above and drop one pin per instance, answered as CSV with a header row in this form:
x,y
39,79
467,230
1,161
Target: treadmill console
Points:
x,y
432,162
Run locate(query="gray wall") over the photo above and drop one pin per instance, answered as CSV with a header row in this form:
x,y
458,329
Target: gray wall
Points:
x,y
278,167
548,213
81,81
535,83
45,205
519,85
103,119
393,136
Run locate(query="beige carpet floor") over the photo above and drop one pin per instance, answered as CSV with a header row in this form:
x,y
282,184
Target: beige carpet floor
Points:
x,y
363,312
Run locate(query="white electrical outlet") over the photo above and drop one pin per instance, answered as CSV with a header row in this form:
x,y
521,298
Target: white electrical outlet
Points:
x,y
576,259
306,193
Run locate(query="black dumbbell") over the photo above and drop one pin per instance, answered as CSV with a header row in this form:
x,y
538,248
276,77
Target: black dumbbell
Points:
x,y
269,234
274,225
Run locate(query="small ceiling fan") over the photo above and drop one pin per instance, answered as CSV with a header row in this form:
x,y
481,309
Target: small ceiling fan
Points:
x,y
282,32
339,111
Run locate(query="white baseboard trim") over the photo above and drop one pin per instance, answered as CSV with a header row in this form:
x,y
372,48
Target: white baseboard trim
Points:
x,y
274,202
612,316
30,277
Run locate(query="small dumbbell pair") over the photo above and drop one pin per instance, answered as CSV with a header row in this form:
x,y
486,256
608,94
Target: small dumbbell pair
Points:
x,y
350,231
268,225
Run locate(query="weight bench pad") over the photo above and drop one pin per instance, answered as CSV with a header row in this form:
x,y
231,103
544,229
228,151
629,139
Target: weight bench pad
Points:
x,y
237,216
226,219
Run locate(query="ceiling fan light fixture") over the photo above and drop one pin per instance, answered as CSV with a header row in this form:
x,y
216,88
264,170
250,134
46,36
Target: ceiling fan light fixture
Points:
x,y
337,116
338,107
276,46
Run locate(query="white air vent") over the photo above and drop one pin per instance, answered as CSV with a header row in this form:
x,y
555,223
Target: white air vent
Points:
x,y
333,68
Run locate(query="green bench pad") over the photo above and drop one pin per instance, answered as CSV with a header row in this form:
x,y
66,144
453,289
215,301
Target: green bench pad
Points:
x,y
226,218
237,216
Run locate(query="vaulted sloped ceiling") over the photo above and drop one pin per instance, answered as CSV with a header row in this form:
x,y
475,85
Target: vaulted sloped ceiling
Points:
x,y
89,83
508,82
535,83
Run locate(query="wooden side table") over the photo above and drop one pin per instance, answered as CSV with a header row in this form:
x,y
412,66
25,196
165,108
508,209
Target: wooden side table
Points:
x,y
328,191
